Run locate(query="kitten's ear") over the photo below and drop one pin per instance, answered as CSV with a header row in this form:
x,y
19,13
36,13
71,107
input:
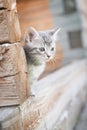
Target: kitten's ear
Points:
x,y
54,33
31,34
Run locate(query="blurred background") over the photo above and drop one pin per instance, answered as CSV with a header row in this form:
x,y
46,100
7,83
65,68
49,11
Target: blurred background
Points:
x,y
69,15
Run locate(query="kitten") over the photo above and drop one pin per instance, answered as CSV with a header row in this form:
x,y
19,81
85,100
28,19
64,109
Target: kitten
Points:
x,y
39,48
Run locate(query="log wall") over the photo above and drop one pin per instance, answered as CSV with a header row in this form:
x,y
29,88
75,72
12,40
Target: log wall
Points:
x,y
13,75
13,69
56,95
9,23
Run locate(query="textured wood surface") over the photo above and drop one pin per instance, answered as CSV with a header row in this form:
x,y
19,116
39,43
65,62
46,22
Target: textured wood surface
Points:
x,y
36,13
53,106
9,26
10,119
13,76
57,97
9,23
8,4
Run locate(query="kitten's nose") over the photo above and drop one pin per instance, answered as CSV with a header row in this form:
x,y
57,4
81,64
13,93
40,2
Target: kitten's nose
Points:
x,y
48,56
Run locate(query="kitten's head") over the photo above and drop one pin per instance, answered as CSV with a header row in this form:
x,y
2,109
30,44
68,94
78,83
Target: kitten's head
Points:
x,y
42,43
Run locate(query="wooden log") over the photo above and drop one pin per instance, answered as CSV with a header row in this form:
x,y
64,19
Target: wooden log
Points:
x,y
56,106
13,75
10,119
9,27
54,96
8,4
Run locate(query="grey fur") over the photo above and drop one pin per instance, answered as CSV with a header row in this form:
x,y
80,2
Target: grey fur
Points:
x,y
35,59
46,37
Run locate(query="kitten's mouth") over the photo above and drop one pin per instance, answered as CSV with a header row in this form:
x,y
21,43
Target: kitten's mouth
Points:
x,y
48,59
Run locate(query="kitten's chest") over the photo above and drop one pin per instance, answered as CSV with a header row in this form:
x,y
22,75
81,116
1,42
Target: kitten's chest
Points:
x,y
35,71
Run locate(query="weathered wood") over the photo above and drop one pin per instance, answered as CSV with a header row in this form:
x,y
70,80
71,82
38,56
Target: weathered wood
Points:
x,y
29,15
56,106
13,76
54,96
9,26
10,119
8,4
9,23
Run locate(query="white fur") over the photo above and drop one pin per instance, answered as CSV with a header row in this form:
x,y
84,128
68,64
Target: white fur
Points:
x,y
35,72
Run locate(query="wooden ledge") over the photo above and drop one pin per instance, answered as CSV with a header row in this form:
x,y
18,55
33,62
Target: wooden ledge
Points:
x,y
59,99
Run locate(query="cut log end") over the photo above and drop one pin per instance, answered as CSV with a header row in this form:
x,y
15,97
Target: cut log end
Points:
x,y
13,76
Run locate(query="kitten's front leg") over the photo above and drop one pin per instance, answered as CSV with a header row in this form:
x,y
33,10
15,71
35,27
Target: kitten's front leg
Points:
x,y
32,88
32,93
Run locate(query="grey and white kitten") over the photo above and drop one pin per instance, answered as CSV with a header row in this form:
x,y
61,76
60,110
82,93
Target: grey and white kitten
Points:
x,y
39,48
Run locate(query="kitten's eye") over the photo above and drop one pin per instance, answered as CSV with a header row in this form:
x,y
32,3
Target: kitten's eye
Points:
x,y
52,49
42,49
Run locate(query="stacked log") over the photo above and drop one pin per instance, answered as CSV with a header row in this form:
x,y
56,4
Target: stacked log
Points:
x,y
9,24
13,70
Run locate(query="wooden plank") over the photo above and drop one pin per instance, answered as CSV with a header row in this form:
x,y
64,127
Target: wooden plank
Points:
x,y
53,106
9,26
8,4
13,76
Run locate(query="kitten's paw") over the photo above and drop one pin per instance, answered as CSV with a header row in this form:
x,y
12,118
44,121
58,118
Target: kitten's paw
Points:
x,y
32,95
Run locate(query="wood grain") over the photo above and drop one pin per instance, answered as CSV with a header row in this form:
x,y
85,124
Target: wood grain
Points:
x,y
38,16
13,75
53,107
55,96
8,4
9,27
10,119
